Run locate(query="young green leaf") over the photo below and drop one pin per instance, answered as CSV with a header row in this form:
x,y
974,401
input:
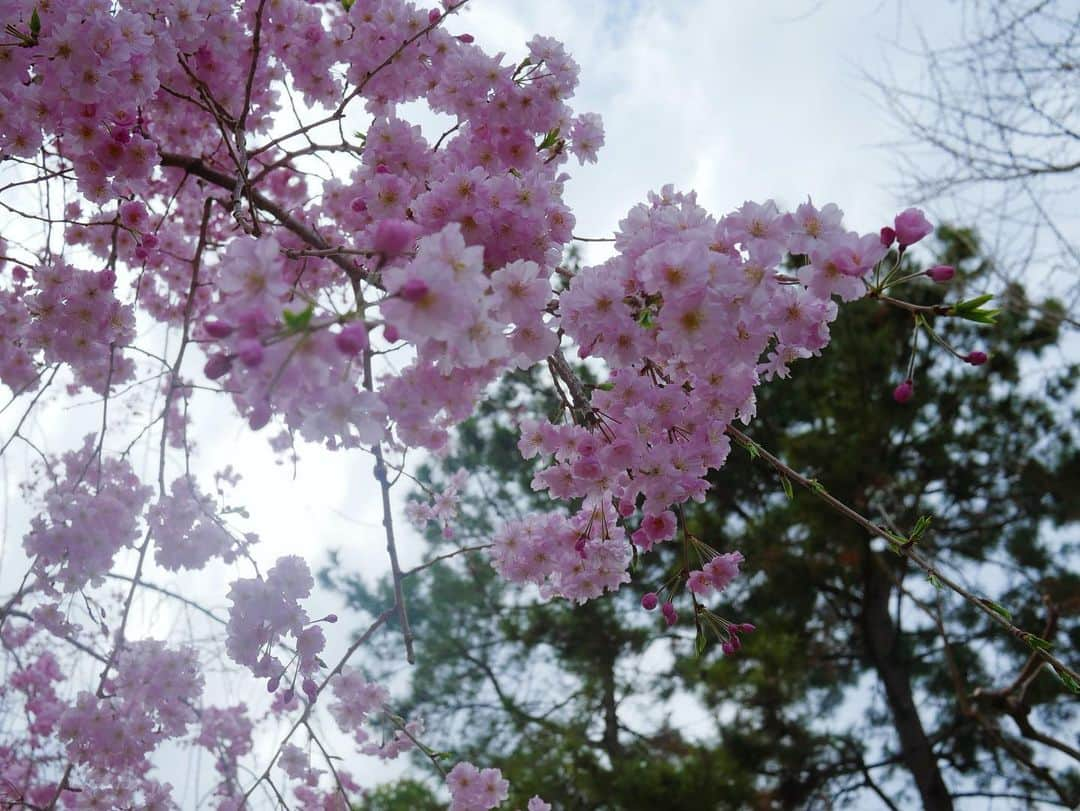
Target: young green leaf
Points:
x,y
786,483
297,322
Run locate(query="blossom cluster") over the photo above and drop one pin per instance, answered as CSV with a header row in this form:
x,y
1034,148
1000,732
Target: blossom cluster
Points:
x,y
58,314
473,789
186,530
266,610
90,512
150,699
357,704
690,316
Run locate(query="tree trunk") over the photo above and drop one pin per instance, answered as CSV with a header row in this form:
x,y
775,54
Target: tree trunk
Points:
x,y
881,637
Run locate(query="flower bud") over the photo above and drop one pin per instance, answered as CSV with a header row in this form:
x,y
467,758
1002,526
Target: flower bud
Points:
x,y
466,38
434,16
250,352
259,416
353,339
976,358
904,391
649,601
218,329
941,273
310,689
273,684
888,236
217,366
358,205
670,615
390,333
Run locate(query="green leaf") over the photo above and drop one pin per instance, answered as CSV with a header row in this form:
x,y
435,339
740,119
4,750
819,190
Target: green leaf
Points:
x,y
35,23
1070,683
1037,642
786,484
753,449
920,527
935,582
700,642
550,139
998,609
646,319
347,4
972,310
818,487
298,322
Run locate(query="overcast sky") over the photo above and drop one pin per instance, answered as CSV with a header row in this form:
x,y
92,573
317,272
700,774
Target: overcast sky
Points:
x,y
737,100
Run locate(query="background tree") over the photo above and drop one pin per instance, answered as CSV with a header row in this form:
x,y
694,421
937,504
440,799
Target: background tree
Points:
x,y
869,680
995,127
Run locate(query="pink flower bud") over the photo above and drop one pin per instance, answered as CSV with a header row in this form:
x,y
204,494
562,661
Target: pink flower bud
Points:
x,y
649,601
626,508
216,366
903,392
746,628
888,236
941,273
413,290
393,236
218,329
434,16
727,648
466,38
911,225
976,358
273,684
309,688
331,618
288,695
390,333
250,352
358,205
142,254
353,339
149,241
259,416
670,615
